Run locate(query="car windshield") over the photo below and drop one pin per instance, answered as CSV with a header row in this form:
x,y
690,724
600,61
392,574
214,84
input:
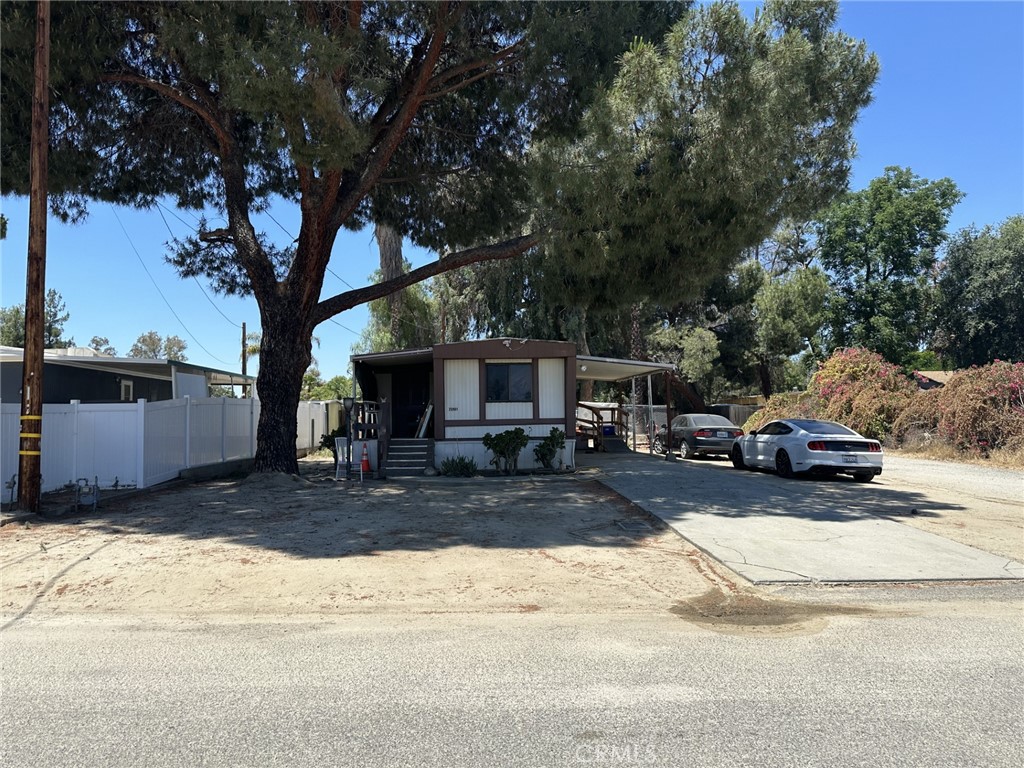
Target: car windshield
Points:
x,y
816,427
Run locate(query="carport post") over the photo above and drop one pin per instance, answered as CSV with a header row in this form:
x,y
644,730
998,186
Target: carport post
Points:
x,y
669,456
651,426
632,412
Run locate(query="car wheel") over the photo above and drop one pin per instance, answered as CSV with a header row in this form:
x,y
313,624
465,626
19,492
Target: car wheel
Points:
x,y
737,457
684,450
783,465
658,445
863,477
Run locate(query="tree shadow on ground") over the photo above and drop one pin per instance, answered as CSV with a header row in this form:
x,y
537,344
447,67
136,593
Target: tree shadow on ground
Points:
x,y
314,516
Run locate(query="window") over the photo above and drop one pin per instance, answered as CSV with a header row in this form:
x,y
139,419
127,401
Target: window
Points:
x,y
127,391
509,382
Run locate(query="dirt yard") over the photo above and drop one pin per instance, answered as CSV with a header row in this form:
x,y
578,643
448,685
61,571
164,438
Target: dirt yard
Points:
x,y
276,545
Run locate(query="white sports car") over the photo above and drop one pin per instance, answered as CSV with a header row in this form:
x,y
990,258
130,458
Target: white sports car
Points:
x,y
797,446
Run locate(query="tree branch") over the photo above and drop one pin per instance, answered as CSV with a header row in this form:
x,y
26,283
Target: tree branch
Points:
x,y
505,250
172,93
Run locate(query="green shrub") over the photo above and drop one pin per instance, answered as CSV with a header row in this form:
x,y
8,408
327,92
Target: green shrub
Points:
x,y
548,448
458,466
506,447
327,441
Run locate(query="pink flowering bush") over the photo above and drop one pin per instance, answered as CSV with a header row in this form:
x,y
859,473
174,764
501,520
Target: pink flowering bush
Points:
x,y
918,424
859,388
982,408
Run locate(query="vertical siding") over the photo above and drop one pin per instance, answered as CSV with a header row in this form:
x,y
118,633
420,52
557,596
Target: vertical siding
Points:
x,y
552,388
505,411
461,390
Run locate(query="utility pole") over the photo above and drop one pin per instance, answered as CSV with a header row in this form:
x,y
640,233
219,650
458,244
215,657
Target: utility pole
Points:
x,y
29,454
245,358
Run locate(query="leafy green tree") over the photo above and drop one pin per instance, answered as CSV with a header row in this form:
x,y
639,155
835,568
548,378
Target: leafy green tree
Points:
x,y
879,248
416,114
980,314
152,345
55,316
699,148
335,388
788,313
102,345
403,320
12,326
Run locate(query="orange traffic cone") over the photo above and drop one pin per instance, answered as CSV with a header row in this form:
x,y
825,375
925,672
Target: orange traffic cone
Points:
x,y
364,463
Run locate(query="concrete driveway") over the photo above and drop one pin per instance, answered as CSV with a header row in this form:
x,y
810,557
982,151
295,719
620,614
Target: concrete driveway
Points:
x,y
771,530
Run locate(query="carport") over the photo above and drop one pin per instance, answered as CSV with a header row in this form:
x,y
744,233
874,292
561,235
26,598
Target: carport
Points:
x,y
594,421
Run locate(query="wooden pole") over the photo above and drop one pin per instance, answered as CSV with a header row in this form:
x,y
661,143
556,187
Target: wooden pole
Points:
x,y
29,454
245,358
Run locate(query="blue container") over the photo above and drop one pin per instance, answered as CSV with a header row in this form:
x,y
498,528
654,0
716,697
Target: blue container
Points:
x,y
608,430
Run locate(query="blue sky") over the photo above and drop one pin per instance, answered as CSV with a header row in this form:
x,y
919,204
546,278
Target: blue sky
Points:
x,y
949,102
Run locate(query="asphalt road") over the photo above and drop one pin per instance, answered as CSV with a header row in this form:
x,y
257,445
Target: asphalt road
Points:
x,y
933,677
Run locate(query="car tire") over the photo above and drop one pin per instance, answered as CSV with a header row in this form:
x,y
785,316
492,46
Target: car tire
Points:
x,y
658,445
863,477
684,450
737,458
783,465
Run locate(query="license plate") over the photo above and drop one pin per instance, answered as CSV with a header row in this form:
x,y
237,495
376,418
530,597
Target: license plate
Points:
x,y
849,458
723,434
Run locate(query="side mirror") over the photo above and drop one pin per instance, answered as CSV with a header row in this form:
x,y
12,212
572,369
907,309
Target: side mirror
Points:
x,y
752,432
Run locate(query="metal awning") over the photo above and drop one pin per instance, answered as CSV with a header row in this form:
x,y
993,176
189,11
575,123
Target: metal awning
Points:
x,y
399,357
611,369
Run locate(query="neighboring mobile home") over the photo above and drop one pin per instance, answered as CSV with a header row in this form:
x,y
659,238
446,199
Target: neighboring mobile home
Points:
x,y
90,377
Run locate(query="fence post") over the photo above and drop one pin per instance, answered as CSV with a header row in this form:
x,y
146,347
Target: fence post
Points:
x,y
188,431
223,429
140,444
74,439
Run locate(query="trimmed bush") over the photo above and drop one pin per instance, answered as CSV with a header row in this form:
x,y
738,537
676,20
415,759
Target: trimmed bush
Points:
x,y
549,447
506,447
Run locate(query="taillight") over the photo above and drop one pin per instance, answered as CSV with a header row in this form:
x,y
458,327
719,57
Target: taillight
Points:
x,y
738,433
874,447
702,433
817,445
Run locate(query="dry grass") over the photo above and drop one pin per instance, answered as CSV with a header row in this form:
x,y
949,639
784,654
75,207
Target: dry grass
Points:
x,y
1010,458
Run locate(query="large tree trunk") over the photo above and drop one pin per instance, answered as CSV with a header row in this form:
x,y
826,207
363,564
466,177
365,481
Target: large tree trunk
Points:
x,y
764,373
583,348
285,354
389,241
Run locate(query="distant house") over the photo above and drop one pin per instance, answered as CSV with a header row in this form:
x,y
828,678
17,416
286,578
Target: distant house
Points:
x,y
91,377
449,395
932,379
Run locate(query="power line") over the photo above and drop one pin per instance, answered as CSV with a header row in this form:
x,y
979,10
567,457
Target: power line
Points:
x,y
155,285
212,304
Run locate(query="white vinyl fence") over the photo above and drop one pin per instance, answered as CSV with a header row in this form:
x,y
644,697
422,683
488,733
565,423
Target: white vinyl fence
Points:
x,y
142,444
